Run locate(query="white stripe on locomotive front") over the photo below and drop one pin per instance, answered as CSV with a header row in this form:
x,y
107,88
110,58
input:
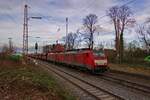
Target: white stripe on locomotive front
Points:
x,y
100,62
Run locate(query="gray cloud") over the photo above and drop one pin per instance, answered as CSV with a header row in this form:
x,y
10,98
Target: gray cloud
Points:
x,y
75,10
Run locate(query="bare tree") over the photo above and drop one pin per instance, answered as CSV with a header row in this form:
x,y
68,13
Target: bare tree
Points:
x,y
100,45
121,17
89,23
144,35
79,38
133,45
71,40
5,49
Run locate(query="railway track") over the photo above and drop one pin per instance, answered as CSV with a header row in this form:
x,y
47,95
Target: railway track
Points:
x,y
97,87
131,84
85,86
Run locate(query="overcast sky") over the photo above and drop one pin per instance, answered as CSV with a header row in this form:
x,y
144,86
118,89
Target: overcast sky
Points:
x,y
54,12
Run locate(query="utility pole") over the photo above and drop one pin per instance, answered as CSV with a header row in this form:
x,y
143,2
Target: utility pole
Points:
x,y
25,31
10,45
66,32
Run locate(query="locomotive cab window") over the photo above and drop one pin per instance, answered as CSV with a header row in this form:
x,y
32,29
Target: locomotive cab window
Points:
x,y
99,53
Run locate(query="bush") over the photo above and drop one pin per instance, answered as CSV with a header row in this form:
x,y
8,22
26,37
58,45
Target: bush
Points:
x,y
15,57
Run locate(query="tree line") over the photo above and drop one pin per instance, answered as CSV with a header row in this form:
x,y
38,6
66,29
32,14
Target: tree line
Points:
x,y
122,19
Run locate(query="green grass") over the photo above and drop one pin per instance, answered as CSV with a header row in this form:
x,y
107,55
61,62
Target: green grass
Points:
x,y
144,65
33,75
131,68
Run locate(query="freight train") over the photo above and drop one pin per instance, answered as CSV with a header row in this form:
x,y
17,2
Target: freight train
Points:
x,y
80,58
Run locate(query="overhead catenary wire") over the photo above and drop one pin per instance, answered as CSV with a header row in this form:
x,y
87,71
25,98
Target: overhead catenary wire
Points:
x,y
122,5
101,17
9,17
106,15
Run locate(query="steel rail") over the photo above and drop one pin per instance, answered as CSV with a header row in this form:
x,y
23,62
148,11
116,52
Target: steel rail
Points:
x,y
89,88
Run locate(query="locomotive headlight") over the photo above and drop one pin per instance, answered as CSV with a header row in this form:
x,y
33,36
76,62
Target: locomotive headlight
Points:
x,y
101,62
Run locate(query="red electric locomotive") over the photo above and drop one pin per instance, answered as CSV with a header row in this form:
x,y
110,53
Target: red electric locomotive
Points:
x,y
96,62
81,58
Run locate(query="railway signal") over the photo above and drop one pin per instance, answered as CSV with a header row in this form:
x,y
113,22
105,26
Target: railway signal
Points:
x,y
36,47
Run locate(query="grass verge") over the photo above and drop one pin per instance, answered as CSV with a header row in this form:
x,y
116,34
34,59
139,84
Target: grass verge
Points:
x,y
131,68
28,82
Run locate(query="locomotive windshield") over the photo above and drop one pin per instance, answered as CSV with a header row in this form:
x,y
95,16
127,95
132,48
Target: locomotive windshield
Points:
x,y
99,53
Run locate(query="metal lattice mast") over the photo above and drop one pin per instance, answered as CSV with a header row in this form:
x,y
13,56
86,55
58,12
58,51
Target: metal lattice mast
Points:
x,y
66,33
25,31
